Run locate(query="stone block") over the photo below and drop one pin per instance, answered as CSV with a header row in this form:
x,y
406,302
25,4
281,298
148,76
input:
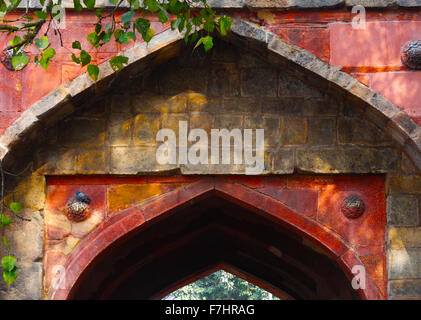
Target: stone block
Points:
x,y
224,79
258,82
289,86
172,121
294,131
83,132
404,263
133,160
271,125
404,289
198,102
30,192
346,160
91,161
224,52
146,126
283,161
405,184
230,122
240,105
163,104
402,210
28,285
283,106
202,120
120,129
360,132
121,103
315,107
176,81
251,61
56,161
321,131
404,237
26,238
407,166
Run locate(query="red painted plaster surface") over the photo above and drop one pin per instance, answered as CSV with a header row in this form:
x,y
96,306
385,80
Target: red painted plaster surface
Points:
x,y
371,55
308,205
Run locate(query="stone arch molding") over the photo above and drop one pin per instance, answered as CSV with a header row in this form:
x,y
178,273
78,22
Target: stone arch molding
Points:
x,y
61,101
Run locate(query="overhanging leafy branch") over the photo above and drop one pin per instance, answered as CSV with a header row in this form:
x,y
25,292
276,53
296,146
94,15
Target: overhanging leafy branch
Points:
x,y
188,16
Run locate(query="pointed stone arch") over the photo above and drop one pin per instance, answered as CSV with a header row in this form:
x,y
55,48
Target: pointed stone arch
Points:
x,y
165,45
124,224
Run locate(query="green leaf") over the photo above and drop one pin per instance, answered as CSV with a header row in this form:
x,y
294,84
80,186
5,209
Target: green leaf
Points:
x,y
41,14
6,243
194,36
85,58
15,41
135,5
188,30
10,276
76,45
163,15
117,62
93,71
42,43
93,39
4,220
175,7
78,7
224,25
197,20
127,17
99,13
209,26
90,4
118,33
125,37
15,207
98,28
153,5
3,6
175,23
46,57
15,3
206,41
19,62
149,35
142,25
75,59
8,263
106,36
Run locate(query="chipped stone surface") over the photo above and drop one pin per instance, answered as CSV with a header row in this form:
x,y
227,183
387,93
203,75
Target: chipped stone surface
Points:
x,y
402,210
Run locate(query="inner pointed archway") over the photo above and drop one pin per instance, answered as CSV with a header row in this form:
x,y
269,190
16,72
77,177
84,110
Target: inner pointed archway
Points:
x,y
210,233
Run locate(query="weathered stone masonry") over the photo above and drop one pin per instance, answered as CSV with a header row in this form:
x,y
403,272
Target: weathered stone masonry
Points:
x,y
311,128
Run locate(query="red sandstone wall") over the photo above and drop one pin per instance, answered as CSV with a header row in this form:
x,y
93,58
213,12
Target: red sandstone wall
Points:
x,y
371,55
